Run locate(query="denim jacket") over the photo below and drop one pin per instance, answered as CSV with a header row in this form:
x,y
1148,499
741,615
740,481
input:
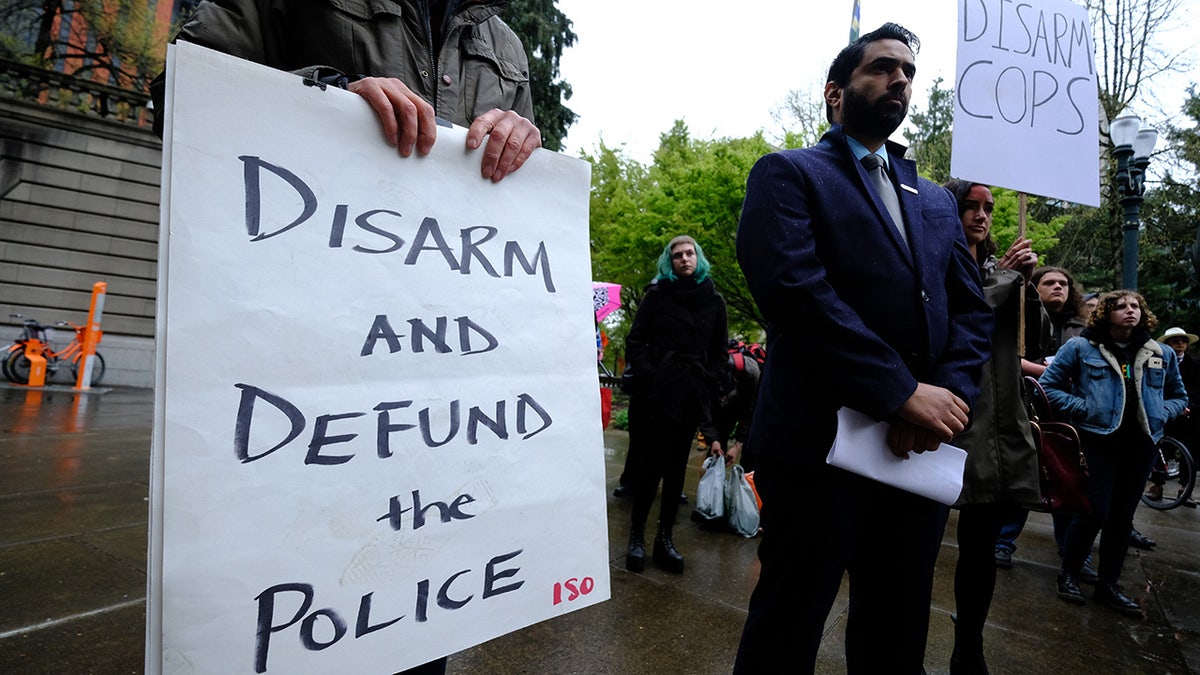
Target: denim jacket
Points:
x,y
1085,385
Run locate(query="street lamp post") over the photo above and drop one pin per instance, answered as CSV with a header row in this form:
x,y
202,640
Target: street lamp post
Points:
x,y
1133,144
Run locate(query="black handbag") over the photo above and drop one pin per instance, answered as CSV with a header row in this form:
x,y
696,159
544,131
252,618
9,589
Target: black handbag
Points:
x,y
1062,467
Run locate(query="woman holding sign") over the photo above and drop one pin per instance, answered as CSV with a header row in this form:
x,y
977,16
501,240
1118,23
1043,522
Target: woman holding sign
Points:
x,y
1001,474
675,355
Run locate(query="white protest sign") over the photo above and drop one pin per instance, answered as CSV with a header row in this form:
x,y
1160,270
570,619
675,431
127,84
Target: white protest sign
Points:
x,y
378,425
1025,99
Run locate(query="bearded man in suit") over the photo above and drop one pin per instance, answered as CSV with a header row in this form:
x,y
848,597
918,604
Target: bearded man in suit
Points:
x,y
873,302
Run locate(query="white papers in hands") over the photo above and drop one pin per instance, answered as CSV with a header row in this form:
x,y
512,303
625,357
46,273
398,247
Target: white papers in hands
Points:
x,y
860,447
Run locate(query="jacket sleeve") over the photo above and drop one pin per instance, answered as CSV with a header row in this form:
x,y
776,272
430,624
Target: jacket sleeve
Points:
x,y
969,343
637,343
776,249
1175,396
1056,380
748,396
717,351
1002,289
717,358
1037,325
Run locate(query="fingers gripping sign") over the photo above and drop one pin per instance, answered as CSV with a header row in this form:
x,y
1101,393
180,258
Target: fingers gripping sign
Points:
x,y
511,139
407,119
409,122
1020,257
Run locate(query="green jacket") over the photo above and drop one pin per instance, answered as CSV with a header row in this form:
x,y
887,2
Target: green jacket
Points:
x,y
1002,464
480,64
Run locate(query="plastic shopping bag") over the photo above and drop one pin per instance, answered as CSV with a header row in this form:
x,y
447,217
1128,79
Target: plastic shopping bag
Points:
x,y
740,505
710,493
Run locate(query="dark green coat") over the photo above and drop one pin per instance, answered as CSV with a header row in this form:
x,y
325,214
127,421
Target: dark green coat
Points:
x,y
1002,461
480,64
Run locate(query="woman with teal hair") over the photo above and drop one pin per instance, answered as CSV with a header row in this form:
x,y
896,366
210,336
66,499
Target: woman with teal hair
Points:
x,y
675,356
666,269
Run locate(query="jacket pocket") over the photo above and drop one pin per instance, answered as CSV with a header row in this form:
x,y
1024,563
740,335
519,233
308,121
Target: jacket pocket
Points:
x,y
506,65
1156,377
1152,399
359,9
365,9
493,72
1099,389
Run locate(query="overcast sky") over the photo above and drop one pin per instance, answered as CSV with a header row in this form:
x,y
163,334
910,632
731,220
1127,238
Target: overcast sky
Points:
x,y
639,66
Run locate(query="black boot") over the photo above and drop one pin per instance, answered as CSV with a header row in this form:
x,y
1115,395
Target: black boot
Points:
x,y
1068,588
665,556
635,558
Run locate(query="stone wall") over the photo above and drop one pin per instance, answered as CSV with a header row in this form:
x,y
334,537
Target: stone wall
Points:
x,y
79,204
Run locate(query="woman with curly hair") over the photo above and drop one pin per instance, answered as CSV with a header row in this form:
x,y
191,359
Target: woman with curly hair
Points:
x,y
1119,387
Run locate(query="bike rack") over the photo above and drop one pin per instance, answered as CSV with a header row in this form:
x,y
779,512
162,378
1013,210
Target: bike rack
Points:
x,y
91,336
37,363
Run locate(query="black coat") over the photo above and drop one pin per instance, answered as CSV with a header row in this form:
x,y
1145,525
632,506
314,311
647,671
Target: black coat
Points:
x,y
675,352
1187,429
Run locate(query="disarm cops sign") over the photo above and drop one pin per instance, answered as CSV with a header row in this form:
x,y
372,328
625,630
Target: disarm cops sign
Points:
x,y
1025,99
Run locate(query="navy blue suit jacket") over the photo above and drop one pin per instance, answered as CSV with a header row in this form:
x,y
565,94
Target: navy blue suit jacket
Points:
x,y
856,317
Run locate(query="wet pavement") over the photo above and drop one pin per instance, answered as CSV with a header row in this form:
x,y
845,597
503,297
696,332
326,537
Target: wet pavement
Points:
x,y
73,515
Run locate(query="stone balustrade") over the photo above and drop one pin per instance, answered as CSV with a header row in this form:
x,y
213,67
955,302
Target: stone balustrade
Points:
x,y
75,94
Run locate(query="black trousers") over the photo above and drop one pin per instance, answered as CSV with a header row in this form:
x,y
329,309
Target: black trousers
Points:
x,y
975,573
658,452
1118,467
820,523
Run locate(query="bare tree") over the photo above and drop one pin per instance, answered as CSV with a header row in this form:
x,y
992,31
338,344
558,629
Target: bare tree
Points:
x,y
1129,49
801,116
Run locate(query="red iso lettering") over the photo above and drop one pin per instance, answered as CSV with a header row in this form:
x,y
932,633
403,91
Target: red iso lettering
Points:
x,y
574,587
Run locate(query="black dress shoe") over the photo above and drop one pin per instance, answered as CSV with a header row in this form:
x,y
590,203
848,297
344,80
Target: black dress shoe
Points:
x,y
621,491
1111,595
1068,588
1003,558
1139,540
1087,574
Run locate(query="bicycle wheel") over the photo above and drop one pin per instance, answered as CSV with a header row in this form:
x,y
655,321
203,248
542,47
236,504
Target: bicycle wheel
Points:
x,y
97,370
4,365
16,367
1173,477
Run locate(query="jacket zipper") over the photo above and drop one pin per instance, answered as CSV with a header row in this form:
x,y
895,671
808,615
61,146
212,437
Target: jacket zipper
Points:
x,y
431,80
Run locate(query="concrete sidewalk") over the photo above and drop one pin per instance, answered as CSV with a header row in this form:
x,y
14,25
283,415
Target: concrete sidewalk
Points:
x,y
73,514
